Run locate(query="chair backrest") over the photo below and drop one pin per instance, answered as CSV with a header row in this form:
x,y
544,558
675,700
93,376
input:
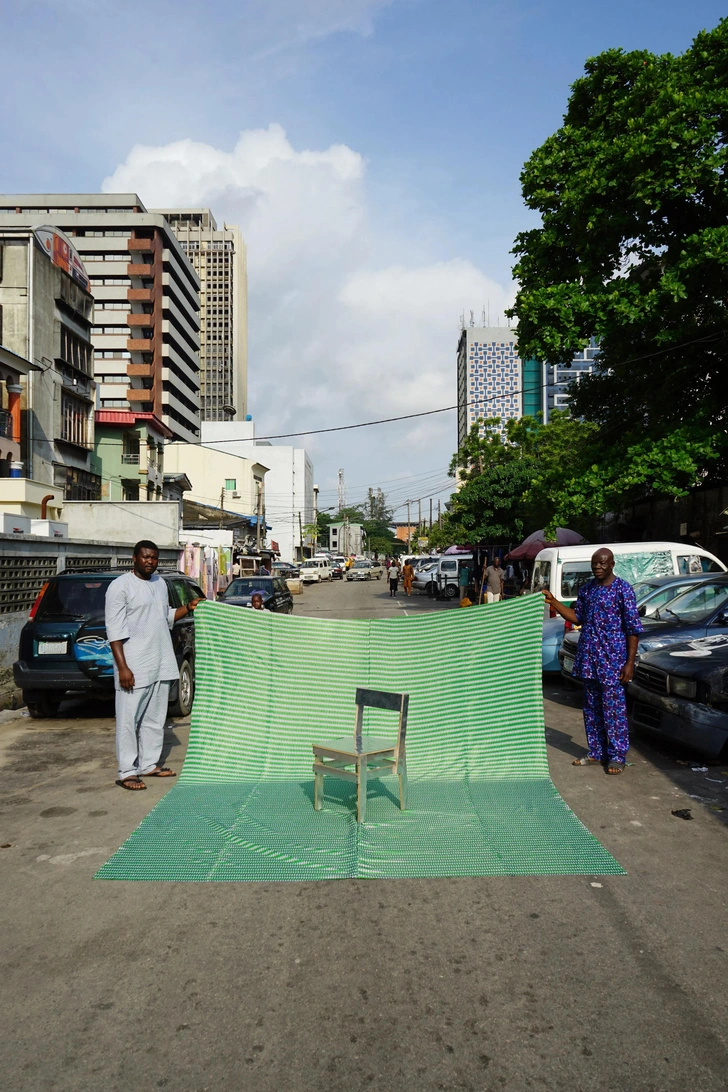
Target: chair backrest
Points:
x,y
382,699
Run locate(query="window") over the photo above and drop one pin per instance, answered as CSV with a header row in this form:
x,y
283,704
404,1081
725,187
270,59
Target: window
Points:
x,y
74,414
231,483
74,351
111,354
541,576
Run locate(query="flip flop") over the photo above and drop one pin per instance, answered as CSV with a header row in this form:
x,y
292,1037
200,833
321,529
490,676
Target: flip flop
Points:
x,y
615,767
161,771
132,784
587,760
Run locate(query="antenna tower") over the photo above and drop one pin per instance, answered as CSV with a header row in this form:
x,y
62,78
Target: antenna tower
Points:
x,y
342,490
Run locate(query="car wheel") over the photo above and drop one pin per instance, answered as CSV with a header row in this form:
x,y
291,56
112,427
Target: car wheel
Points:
x,y
430,590
451,591
47,707
182,707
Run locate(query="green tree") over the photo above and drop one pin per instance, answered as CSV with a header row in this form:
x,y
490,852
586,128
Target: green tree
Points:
x,y
633,250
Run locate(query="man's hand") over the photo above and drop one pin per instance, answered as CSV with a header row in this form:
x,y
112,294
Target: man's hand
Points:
x,y
193,603
626,674
549,597
126,678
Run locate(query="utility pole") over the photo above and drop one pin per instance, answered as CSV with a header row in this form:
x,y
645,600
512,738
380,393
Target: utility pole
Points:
x,y
300,535
222,506
315,520
409,529
259,507
419,519
439,516
430,513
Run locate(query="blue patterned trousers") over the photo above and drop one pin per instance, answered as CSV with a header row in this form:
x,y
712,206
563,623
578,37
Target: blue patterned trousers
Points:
x,y
605,721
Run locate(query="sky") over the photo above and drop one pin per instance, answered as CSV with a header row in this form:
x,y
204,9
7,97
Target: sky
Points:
x,y
369,151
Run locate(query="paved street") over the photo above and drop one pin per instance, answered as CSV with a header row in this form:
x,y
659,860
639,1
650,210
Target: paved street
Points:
x,y
551,983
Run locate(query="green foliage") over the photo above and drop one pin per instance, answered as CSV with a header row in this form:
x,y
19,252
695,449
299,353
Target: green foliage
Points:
x,y
633,250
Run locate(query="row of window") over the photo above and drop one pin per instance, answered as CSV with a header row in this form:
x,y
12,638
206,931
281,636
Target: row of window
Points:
x,y
111,354
74,420
75,351
110,281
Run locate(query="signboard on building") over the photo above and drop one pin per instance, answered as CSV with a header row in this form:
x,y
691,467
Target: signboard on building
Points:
x,y
62,253
422,543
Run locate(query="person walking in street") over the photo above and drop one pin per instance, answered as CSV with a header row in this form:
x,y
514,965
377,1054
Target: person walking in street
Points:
x,y
408,575
494,582
138,624
393,578
610,624
463,580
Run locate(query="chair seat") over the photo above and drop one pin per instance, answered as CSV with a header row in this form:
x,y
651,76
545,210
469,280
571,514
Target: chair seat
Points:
x,y
357,745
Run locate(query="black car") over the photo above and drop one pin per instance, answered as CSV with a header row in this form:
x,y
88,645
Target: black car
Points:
x,y
276,594
682,692
63,646
288,572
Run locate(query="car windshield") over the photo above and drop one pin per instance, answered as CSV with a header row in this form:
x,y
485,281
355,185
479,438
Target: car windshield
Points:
x,y
80,600
574,576
362,564
696,604
248,585
643,588
310,564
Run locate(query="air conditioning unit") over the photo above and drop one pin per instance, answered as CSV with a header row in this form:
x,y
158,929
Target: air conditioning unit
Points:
x,y
236,496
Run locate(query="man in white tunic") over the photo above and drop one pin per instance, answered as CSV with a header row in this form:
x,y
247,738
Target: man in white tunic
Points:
x,y
138,624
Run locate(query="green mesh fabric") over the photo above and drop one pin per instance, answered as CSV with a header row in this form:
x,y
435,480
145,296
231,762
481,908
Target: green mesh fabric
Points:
x,y
481,801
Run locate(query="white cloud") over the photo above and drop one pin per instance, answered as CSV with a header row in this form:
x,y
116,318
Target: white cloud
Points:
x,y
335,337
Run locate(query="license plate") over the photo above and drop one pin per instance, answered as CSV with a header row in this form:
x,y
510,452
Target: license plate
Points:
x,y
52,648
569,666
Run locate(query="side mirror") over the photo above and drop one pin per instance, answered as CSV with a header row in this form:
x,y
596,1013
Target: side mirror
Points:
x,y
722,619
642,611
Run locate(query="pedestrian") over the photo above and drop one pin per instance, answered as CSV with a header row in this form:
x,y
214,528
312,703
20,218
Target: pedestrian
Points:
x,y
393,578
605,656
138,624
256,601
236,568
463,580
494,582
262,570
408,575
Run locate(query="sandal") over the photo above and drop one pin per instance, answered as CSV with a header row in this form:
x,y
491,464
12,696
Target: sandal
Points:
x,y
133,784
587,760
161,771
615,767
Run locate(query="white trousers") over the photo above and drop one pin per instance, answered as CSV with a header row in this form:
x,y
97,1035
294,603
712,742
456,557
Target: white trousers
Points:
x,y
140,718
491,597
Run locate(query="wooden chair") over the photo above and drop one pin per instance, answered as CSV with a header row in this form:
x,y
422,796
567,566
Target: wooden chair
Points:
x,y
369,755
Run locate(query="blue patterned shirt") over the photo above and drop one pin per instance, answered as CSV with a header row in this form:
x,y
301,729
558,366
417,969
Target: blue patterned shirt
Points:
x,y
608,615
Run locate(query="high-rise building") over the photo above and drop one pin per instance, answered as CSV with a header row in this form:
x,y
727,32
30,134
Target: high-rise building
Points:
x,y
219,258
493,380
146,301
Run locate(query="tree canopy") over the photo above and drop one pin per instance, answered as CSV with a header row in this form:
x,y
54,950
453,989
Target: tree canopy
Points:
x,y
633,248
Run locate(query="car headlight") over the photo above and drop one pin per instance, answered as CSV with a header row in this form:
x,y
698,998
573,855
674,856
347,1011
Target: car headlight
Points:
x,y
682,688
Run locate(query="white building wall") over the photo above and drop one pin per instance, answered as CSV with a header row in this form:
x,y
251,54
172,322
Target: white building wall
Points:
x,y
288,483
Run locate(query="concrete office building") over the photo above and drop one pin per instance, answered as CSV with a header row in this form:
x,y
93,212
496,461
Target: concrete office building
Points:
x,y
494,381
46,311
289,505
219,258
347,538
146,295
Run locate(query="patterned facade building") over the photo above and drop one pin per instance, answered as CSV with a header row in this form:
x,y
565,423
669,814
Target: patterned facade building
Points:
x,y
493,380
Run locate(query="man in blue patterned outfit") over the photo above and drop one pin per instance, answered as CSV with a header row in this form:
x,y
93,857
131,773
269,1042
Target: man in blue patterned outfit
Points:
x,y
606,610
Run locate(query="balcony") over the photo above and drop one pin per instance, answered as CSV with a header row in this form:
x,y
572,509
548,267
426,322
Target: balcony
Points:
x,y
139,269
142,371
140,394
139,295
139,345
139,319
130,458
140,244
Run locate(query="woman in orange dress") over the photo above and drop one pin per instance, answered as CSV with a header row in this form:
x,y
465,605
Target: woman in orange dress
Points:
x,y
408,575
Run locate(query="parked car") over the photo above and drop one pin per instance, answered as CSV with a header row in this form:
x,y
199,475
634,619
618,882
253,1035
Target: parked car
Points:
x,y
650,595
377,567
681,692
63,647
364,570
315,570
565,569
276,594
426,577
701,611
286,570
338,568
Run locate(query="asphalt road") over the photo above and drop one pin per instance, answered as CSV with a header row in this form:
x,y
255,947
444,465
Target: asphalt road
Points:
x,y
548,983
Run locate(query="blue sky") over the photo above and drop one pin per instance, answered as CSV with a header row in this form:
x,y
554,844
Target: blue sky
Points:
x,y
376,178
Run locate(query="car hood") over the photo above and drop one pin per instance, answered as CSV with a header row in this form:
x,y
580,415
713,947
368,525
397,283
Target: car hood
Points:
x,y
704,658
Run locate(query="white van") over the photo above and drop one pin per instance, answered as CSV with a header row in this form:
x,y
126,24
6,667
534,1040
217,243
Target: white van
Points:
x,y
315,569
441,578
565,569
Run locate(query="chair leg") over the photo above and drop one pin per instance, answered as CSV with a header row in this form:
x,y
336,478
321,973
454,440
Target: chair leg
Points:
x,y
318,790
402,786
361,790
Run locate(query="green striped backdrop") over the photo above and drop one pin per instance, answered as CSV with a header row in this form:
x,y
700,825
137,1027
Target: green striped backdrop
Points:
x,y
480,803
